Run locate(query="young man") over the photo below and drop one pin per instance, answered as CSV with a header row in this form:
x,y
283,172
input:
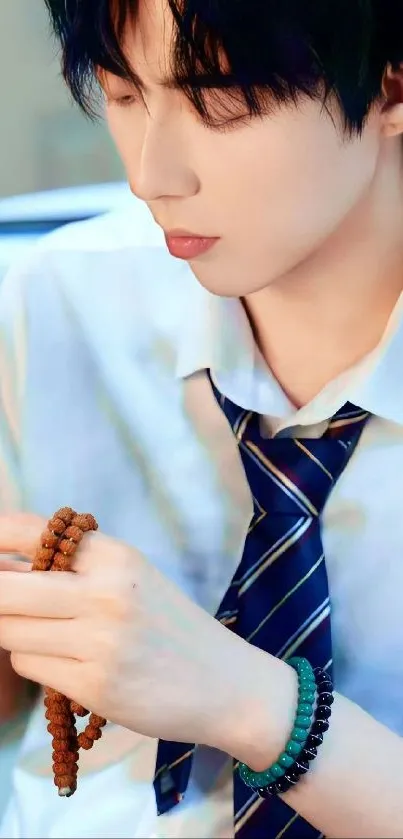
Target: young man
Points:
x,y
165,396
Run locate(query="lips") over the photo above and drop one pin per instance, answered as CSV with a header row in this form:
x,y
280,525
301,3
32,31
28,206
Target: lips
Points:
x,y
185,245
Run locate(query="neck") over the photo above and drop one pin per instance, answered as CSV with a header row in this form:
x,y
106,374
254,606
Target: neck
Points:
x,y
330,311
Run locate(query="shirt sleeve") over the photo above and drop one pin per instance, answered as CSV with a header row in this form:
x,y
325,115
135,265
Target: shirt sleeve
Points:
x,y
13,339
12,365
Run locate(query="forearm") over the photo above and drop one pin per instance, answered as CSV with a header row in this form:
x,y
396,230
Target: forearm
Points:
x,y
354,787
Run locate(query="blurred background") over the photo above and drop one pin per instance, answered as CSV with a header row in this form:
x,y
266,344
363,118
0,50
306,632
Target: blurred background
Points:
x,y
56,165
45,142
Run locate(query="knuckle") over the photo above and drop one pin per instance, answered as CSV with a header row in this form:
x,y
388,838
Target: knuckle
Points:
x,y
108,603
105,644
98,685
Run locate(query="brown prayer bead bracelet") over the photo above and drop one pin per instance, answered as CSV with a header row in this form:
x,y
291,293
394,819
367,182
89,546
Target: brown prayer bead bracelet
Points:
x,y
57,547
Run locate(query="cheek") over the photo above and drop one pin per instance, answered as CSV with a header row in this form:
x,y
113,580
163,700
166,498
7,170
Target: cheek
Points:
x,y
328,182
277,206
295,187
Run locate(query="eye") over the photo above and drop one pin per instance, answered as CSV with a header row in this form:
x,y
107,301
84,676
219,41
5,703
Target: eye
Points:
x,y
122,96
220,109
124,101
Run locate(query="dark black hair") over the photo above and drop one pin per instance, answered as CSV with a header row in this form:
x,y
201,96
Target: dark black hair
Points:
x,y
275,50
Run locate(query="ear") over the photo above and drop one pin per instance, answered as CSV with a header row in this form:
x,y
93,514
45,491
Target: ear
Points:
x,y
392,110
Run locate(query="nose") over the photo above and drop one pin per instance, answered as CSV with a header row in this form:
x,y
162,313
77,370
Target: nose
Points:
x,y
162,169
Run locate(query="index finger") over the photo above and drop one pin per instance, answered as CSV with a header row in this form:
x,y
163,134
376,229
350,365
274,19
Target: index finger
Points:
x,y
20,533
36,595
39,595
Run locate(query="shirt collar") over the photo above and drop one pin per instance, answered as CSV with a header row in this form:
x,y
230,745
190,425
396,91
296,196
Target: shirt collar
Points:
x,y
216,335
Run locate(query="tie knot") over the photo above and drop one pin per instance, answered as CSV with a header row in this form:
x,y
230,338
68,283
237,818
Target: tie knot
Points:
x,y
289,475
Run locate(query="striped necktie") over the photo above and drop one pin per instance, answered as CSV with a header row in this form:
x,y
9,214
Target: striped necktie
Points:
x,y
278,599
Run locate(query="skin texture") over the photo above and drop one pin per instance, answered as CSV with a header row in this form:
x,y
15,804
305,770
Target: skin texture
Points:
x,y
310,220
115,634
262,202
122,640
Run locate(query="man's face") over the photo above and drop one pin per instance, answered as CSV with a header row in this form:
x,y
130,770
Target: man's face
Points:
x,y
273,190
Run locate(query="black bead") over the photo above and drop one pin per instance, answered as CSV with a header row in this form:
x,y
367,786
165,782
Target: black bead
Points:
x,y
309,752
265,792
319,727
301,766
321,674
282,785
325,698
314,740
323,712
292,778
324,685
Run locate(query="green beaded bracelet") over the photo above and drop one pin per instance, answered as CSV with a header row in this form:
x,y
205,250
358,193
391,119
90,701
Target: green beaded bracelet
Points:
x,y
299,733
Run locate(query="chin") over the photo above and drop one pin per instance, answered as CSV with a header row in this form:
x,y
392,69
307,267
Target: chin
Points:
x,y
227,281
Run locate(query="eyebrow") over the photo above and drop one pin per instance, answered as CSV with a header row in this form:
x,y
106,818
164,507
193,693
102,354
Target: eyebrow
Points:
x,y
171,83
168,83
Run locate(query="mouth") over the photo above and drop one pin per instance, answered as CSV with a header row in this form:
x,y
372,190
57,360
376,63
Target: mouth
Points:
x,y
186,245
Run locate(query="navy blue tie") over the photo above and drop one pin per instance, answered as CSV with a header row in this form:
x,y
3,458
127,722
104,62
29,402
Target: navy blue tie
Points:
x,y
278,599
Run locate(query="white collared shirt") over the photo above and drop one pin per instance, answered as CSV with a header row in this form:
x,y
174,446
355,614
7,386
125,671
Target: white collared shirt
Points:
x,y
105,340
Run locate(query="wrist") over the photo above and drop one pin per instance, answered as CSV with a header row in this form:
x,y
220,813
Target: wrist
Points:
x,y
262,714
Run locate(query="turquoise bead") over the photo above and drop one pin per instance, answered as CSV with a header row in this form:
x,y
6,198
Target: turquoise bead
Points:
x,y
306,696
304,708
285,760
306,683
306,670
255,779
259,779
299,663
244,772
302,721
294,661
294,748
277,771
299,734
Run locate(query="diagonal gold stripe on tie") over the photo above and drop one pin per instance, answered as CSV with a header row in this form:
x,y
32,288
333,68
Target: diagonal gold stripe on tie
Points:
x,y
340,423
255,521
241,425
287,826
252,810
312,457
272,556
286,597
167,766
270,467
239,823
229,621
181,759
306,633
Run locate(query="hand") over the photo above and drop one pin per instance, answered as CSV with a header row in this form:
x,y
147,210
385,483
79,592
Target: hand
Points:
x,y
122,640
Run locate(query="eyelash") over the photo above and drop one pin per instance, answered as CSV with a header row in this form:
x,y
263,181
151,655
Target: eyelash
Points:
x,y
125,101
224,126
